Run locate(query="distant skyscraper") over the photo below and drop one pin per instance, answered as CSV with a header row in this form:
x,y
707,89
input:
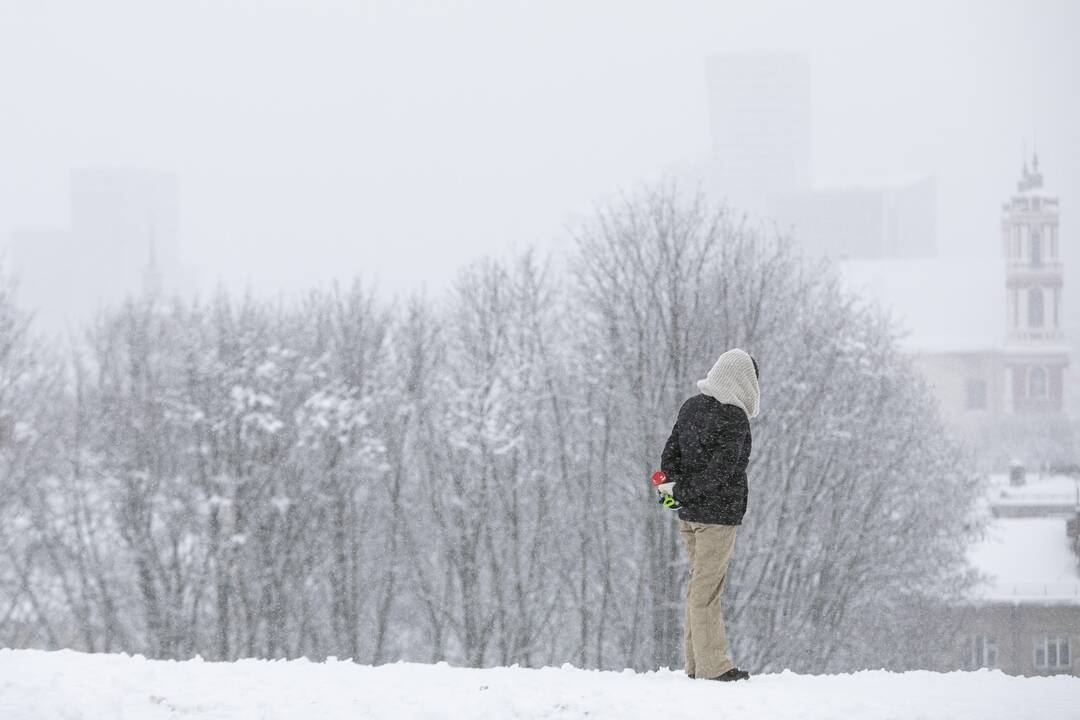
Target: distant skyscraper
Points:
x,y
759,105
124,219
123,241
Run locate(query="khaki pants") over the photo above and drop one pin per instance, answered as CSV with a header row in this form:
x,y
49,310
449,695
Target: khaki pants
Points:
x,y
709,548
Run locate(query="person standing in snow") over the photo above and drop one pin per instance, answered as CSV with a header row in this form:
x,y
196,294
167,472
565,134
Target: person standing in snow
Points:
x,y
705,462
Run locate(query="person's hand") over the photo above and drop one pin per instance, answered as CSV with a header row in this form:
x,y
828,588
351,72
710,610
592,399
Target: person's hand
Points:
x,y
667,495
665,489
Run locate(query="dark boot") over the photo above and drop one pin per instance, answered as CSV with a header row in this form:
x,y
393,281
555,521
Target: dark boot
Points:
x,y
733,674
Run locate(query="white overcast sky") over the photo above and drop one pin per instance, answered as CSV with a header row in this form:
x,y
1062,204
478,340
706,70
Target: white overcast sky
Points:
x,y
317,139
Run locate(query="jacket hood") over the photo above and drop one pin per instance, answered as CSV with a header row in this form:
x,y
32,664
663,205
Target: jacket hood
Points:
x,y
733,380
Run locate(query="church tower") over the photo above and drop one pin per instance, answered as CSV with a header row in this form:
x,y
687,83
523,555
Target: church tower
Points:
x,y
1035,355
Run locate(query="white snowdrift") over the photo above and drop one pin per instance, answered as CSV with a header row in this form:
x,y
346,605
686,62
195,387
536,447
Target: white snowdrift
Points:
x,y
48,685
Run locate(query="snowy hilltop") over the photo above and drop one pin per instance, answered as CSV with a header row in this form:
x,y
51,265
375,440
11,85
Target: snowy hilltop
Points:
x,y
66,684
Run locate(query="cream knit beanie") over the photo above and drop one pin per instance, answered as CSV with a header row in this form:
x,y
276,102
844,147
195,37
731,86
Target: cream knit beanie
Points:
x,y
733,380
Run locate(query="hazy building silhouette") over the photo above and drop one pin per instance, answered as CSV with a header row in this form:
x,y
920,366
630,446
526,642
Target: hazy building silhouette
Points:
x,y
866,222
759,108
760,119
1036,356
988,335
124,218
122,240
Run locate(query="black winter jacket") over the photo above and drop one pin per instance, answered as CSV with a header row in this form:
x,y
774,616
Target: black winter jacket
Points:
x,y
706,458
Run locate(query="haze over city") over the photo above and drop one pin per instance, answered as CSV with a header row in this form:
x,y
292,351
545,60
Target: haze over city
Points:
x,y
495,359
397,141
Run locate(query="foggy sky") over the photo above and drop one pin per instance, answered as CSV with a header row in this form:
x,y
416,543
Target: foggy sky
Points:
x,y
317,139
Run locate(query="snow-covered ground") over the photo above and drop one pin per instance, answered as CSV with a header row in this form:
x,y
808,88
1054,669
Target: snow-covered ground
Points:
x,y
36,685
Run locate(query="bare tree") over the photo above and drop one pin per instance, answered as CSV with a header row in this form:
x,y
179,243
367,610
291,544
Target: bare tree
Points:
x,y
852,470
465,478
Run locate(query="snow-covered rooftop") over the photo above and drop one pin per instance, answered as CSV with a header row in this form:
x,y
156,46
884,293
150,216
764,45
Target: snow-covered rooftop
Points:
x,y
1028,560
945,304
1059,491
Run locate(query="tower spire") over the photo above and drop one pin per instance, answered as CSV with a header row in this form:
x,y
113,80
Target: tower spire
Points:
x,y
1030,177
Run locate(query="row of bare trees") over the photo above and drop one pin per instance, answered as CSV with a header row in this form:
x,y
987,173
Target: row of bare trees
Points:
x,y
465,478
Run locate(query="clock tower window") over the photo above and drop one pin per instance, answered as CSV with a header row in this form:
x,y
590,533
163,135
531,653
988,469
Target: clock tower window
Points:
x,y
1035,308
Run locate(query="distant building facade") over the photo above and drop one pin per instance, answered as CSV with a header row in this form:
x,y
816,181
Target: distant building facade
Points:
x,y
123,239
1024,619
862,223
988,335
